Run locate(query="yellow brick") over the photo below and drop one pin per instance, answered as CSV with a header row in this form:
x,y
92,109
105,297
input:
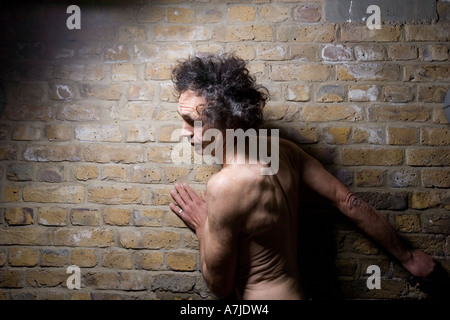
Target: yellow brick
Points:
x,y
158,71
190,241
297,92
116,153
116,216
19,216
140,91
439,178
304,72
117,259
315,113
398,113
12,278
52,216
174,174
337,135
369,178
408,223
63,132
425,200
148,217
51,194
159,154
118,53
85,217
306,33
435,136
160,196
371,157
124,72
353,32
271,51
243,50
26,132
53,153
98,132
149,239
85,237
180,33
151,13
8,152
368,71
115,195
114,173
181,261
23,257
180,15
428,157
101,91
47,278
241,14
174,220
131,33
84,258
202,174
9,194
275,13
85,172
166,132
401,136
146,174
233,33
54,257
149,260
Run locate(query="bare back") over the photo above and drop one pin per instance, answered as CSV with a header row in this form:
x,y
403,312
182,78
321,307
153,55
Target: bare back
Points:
x,y
267,259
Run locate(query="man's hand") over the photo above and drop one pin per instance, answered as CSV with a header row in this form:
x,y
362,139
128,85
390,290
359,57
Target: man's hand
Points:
x,y
420,264
191,208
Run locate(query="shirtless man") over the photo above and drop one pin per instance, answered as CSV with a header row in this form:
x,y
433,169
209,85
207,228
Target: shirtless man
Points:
x,y
246,222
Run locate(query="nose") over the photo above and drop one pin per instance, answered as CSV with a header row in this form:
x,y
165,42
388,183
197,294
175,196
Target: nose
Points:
x,y
187,130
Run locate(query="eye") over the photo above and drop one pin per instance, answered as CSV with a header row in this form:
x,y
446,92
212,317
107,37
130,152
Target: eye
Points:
x,y
188,120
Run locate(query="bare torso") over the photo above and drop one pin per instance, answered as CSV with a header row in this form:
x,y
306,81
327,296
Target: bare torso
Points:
x,y
267,259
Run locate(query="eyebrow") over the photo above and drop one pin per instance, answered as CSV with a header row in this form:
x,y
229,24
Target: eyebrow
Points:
x,y
187,118
196,109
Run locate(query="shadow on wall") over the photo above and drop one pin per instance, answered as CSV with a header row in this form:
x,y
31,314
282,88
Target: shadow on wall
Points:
x,y
318,247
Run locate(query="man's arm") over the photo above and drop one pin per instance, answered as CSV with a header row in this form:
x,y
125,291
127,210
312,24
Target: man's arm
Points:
x,y
217,229
369,220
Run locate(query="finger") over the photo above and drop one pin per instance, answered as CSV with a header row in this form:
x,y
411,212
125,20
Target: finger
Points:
x,y
174,208
182,193
204,195
175,195
191,192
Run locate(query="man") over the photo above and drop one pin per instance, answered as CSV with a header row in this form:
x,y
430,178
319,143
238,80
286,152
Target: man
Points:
x,y
246,222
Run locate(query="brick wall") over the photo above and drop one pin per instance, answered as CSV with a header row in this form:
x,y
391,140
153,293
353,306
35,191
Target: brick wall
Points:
x,y
85,140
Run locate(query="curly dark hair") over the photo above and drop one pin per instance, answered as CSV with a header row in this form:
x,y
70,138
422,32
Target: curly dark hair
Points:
x,y
233,99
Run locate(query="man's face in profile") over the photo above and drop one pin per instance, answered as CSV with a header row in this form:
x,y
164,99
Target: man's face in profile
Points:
x,y
189,106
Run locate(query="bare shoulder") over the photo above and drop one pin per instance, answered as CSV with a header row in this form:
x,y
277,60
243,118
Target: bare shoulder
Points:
x,y
291,146
296,152
236,187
